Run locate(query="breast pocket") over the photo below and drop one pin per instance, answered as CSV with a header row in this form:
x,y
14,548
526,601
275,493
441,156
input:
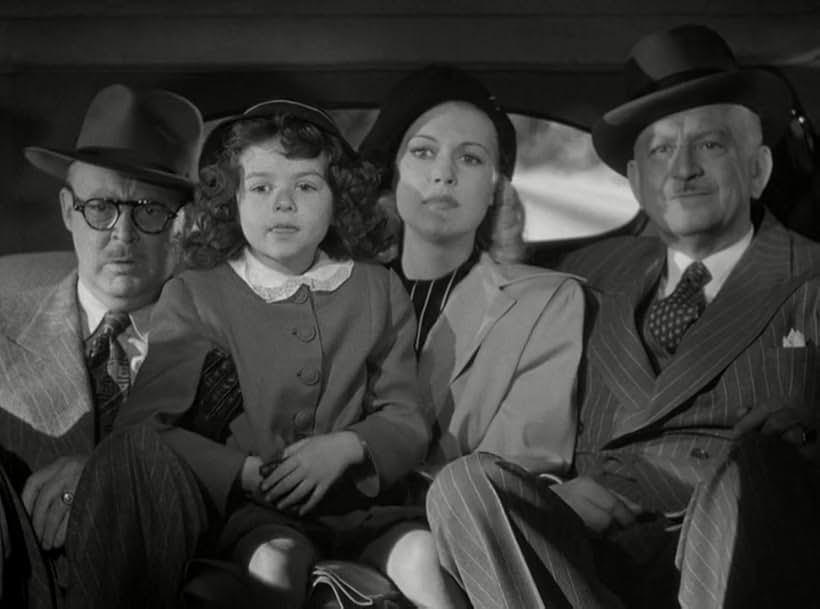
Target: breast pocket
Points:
x,y
791,373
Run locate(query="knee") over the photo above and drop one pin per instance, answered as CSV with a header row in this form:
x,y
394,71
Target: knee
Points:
x,y
132,443
138,458
459,480
282,563
417,554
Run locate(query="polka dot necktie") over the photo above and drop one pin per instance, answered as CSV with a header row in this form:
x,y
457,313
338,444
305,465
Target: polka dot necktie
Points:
x,y
669,318
109,369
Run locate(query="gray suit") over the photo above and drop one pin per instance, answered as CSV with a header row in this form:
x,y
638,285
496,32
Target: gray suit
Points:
x,y
47,411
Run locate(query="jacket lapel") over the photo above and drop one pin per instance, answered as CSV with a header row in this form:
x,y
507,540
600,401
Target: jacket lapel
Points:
x,y
617,346
45,354
473,308
754,291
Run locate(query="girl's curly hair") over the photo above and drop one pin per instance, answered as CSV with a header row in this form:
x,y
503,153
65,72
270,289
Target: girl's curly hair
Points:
x,y
359,225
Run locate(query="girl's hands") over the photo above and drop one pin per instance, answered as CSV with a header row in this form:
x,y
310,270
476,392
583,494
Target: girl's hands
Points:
x,y
308,468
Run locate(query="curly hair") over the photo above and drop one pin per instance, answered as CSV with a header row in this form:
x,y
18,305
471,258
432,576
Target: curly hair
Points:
x,y
358,227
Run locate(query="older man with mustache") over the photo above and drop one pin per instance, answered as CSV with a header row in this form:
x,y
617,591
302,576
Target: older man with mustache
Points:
x,y
696,480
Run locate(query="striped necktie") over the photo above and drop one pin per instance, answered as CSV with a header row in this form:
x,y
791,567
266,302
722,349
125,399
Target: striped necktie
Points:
x,y
669,318
109,369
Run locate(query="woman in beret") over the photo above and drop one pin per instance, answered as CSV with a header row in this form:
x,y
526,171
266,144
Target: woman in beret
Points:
x,y
498,342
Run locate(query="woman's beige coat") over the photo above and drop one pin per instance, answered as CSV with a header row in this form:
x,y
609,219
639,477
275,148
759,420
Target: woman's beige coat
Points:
x,y
499,366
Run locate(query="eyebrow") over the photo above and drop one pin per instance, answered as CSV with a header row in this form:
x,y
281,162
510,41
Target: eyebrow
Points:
x,y
267,174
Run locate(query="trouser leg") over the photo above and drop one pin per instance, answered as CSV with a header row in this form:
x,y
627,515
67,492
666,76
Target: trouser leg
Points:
x,y
510,542
26,578
138,517
752,535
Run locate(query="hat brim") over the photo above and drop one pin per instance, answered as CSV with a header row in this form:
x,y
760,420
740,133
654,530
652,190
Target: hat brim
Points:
x,y
761,91
56,163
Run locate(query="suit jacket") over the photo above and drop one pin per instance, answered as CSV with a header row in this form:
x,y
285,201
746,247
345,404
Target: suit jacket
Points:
x,y
45,395
499,366
655,436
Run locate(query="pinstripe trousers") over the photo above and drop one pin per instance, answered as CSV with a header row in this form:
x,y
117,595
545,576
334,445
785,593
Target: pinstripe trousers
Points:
x,y
137,517
750,539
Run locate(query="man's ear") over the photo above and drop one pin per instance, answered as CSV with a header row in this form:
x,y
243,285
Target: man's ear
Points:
x,y
66,206
634,177
762,165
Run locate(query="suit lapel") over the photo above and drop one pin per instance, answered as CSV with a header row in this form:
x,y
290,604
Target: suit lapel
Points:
x,y
617,346
45,354
473,308
754,291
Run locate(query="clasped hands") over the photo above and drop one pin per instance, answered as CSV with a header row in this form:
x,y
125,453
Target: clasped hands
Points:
x,y
299,479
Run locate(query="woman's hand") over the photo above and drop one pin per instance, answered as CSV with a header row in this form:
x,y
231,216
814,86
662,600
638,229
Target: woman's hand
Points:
x,y
308,468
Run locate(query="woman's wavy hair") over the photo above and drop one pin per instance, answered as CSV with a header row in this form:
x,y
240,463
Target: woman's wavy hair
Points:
x,y
501,232
358,227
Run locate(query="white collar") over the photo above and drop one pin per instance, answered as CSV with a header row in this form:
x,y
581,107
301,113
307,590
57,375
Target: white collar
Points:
x,y
326,275
92,311
720,264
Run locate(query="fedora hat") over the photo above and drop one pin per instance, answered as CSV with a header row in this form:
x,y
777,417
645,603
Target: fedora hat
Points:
x,y
681,68
149,135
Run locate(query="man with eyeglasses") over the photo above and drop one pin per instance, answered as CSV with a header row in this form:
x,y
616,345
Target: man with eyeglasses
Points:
x,y
89,518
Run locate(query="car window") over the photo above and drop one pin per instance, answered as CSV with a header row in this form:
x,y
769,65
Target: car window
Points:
x,y
566,190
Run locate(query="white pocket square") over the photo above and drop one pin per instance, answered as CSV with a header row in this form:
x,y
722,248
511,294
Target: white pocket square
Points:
x,y
794,339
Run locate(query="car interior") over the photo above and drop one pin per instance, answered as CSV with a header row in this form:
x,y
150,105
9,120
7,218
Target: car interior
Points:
x,y
556,66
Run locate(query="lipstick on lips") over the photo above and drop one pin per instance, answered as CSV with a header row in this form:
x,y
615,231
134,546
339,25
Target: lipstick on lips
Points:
x,y
441,201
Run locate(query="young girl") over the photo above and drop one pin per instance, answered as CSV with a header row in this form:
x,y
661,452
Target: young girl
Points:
x,y
319,344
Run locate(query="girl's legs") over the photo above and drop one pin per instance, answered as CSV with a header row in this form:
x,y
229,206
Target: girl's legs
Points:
x,y
407,555
283,563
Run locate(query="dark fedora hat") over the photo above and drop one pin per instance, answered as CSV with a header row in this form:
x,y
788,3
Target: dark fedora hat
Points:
x,y
681,68
414,95
149,135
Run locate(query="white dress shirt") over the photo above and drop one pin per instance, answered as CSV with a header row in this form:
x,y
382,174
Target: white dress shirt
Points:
x,y
720,264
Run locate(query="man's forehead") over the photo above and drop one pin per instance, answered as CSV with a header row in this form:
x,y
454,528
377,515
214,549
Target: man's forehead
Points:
x,y
88,180
712,117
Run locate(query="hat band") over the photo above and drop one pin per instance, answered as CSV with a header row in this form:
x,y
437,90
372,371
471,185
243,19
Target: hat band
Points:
x,y
125,158
678,78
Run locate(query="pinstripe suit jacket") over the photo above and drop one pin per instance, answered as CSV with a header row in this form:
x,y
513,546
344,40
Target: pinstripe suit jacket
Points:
x,y
45,396
654,436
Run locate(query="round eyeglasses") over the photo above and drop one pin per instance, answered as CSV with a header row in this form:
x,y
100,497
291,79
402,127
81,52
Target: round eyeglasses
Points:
x,y
149,216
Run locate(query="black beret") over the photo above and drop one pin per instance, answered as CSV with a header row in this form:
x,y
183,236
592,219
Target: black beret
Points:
x,y
417,93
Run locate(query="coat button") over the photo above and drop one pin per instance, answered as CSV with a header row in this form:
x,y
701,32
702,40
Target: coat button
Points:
x,y
302,421
301,296
699,453
304,333
308,375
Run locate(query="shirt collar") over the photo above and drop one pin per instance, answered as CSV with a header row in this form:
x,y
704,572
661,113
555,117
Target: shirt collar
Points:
x,y
720,264
92,312
325,275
